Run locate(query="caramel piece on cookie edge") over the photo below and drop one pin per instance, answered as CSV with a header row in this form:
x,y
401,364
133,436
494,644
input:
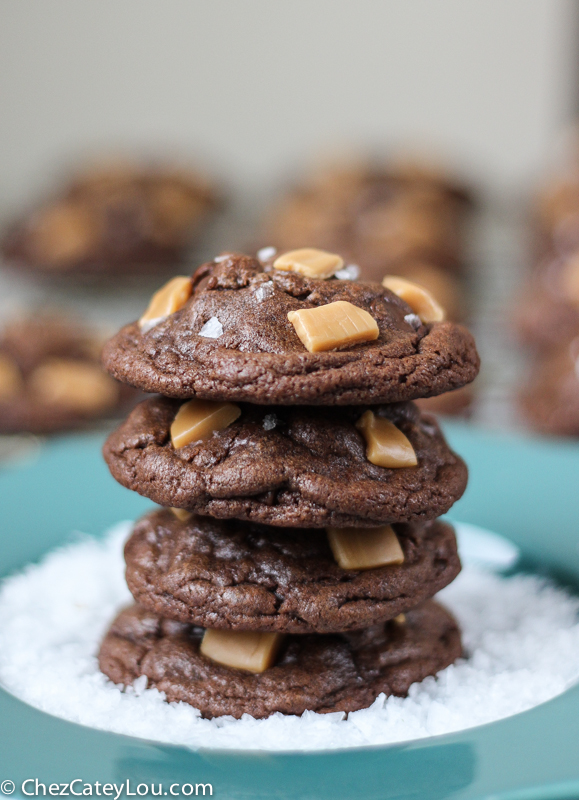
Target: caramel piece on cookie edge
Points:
x,y
251,651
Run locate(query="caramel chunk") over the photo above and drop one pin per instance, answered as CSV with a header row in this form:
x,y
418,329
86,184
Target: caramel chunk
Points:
x,y
170,298
181,514
387,446
76,385
11,383
310,262
198,419
418,298
365,548
400,619
443,287
249,650
336,324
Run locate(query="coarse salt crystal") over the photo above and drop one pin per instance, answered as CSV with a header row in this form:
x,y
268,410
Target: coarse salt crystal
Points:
x,y
266,253
219,259
349,273
264,290
140,685
413,320
212,329
269,422
427,427
150,324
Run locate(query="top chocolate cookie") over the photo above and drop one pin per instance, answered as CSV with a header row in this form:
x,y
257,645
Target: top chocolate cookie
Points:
x,y
232,333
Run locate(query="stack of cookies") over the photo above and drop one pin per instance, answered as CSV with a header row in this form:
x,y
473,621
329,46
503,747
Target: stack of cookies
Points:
x,y
292,564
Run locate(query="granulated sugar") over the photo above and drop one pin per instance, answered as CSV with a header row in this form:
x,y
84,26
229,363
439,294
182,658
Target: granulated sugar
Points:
x,y
521,635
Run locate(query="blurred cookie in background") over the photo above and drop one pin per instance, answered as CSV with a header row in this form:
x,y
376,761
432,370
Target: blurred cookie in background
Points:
x,y
117,218
458,403
548,311
555,214
550,401
51,379
547,319
405,218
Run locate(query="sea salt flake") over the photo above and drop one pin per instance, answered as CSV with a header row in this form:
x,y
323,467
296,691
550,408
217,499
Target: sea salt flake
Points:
x,y
428,427
349,273
212,329
413,320
219,259
264,290
266,253
148,324
269,422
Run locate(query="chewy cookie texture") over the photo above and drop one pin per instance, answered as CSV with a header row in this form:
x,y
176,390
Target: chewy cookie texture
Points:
x,y
286,425
297,466
232,341
232,574
324,673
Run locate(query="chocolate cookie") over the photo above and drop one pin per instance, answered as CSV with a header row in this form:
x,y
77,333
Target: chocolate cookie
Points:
x,y
550,400
251,577
382,217
118,219
232,340
313,673
556,213
548,312
51,378
289,466
452,404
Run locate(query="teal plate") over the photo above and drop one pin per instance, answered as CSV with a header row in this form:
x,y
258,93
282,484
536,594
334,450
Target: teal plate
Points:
x,y
525,489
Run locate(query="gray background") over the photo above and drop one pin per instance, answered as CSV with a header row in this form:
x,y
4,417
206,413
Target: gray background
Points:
x,y
253,89
254,85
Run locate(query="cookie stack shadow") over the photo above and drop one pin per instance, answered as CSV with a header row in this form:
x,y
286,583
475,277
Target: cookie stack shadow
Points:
x,y
292,564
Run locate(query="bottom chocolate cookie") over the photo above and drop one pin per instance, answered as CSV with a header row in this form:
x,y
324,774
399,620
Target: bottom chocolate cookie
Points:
x,y
323,673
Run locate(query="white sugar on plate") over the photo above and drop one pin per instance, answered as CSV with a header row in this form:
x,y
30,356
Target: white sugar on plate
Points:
x,y
521,635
